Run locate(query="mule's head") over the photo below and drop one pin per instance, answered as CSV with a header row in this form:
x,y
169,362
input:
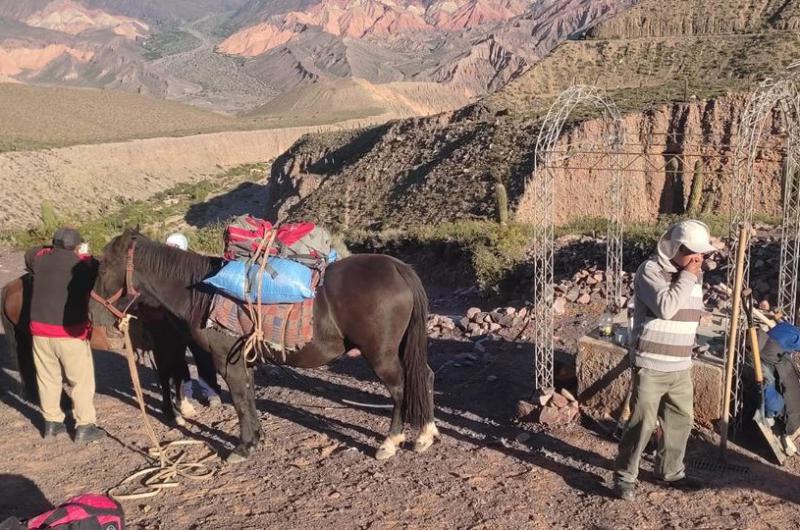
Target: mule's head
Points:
x,y
111,280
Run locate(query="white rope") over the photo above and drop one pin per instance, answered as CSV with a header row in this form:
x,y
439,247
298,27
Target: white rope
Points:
x,y
152,480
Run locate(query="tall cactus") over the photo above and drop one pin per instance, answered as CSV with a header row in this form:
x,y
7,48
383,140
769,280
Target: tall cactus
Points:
x,y
696,194
501,195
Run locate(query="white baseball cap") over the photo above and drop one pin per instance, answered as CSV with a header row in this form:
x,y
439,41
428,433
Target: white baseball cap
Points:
x,y
178,240
691,233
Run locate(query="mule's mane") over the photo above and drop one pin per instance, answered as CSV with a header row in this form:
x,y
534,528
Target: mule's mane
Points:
x,y
170,263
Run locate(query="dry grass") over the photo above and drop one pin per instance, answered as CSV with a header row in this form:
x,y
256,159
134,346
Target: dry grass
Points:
x,y
35,117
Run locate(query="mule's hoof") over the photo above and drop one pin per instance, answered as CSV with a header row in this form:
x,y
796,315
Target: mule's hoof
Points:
x,y
179,421
426,438
235,458
385,453
214,402
420,446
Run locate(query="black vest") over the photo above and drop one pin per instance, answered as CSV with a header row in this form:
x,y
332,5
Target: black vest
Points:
x,y
61,286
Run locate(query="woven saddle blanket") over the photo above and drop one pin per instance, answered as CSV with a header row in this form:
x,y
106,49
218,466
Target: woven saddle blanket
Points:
x,y
286,327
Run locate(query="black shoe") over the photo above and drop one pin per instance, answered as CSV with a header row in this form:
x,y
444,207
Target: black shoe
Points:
x,y
85,434
53,429
624,490
686,484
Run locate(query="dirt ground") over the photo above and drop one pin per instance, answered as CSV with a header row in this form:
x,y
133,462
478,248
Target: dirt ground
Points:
x,y
316,469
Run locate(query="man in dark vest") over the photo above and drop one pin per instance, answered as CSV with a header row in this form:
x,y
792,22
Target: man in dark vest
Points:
x,y
62,281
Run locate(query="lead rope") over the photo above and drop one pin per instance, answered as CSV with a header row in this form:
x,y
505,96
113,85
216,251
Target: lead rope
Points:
x,y
154,479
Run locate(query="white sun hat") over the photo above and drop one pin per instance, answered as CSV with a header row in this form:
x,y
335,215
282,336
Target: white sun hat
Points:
x,y
692,234
178,240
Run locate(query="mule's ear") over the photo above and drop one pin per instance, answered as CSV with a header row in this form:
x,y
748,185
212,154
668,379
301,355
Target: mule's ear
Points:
x,y
137,229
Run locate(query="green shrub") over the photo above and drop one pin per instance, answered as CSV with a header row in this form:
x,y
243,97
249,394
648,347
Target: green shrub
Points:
x,y
156,216
208,240
50,221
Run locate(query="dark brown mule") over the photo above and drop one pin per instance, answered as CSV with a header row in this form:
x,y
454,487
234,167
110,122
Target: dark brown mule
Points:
x,y
167,341
15,304
374,303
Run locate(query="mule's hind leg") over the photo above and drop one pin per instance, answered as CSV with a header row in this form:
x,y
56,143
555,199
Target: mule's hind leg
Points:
x,y
389,370
429,432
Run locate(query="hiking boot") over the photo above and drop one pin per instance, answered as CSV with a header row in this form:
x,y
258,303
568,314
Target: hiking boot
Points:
x,y
624,490
211,395
686,484
53,429
214,401
85,434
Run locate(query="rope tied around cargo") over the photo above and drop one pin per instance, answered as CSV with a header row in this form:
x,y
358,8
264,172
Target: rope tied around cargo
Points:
x,y
255,346
156,478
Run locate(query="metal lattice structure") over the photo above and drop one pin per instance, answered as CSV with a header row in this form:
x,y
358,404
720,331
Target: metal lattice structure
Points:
x,y
541,185
779,94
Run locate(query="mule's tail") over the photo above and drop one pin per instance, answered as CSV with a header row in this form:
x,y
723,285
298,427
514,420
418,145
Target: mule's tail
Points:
x,y
418,391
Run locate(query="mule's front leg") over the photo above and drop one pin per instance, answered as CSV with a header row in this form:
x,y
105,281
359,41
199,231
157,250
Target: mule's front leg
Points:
x,y
240,382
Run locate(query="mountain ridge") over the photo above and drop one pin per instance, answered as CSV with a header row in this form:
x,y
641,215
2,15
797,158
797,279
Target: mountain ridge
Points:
x,y
172,50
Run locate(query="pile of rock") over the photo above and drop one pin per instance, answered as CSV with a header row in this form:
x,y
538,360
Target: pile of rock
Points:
x,y
586,286
477,323
550,408
441,326
764,267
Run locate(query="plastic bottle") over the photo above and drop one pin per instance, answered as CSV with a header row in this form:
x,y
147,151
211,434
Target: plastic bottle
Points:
x,y
606,325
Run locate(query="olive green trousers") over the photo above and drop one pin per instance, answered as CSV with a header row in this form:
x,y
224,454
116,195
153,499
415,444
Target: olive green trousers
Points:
x,y
665,396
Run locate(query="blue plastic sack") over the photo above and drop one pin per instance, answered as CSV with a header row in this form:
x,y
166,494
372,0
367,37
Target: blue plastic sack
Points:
x,y
288,282
786,335
773,401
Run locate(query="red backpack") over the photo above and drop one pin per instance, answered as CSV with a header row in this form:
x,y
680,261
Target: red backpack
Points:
x,y
84,512
243,237
305,243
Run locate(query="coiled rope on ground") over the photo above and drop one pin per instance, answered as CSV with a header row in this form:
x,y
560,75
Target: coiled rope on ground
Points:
x,y
175,459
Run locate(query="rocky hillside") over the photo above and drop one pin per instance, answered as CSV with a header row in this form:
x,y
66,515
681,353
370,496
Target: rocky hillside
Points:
x,y
472,46
681,88
79,43
237,55
711,45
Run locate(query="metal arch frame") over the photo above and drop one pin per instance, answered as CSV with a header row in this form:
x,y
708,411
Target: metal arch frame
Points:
x,y
542,184
781,93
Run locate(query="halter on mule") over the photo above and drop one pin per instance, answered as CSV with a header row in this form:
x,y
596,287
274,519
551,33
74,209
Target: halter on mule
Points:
x,y
128,288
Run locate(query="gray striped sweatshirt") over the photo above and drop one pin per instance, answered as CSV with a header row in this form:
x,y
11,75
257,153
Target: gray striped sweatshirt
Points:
x,y
668,305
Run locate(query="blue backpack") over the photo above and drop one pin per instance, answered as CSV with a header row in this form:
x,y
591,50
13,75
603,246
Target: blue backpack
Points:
x,y
786,336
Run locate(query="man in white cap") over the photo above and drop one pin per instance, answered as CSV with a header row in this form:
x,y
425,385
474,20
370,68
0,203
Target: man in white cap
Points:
x,y
668,304
177,240
207,379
